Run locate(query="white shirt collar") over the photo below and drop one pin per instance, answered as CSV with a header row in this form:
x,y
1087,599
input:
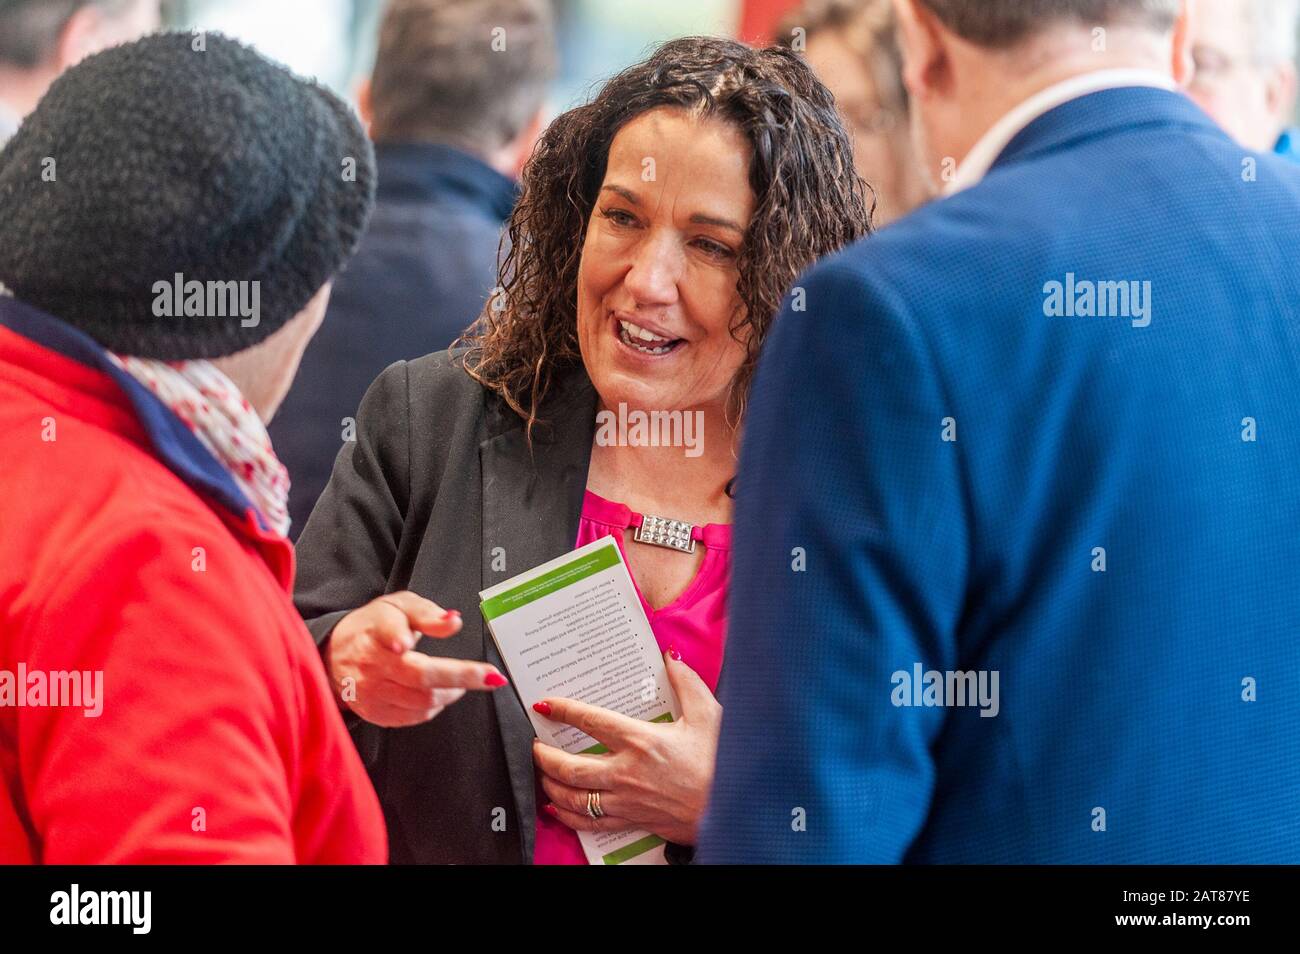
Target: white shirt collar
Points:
x,y
985,152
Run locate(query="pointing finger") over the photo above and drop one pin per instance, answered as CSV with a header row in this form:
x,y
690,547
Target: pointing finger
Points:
x,y
417,670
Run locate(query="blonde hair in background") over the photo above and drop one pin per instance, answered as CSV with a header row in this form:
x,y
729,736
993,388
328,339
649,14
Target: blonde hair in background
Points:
x,y
869,30
867,27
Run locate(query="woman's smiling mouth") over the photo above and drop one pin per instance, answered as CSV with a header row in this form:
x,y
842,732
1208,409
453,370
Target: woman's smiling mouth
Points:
x,y
643,340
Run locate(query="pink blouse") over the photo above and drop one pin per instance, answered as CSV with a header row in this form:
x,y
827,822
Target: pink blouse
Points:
x,y
695,624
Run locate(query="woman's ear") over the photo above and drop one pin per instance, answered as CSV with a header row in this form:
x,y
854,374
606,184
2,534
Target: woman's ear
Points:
x,y
926,62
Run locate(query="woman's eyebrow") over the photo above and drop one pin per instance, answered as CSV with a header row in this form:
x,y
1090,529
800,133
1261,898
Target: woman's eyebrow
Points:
x,y
625,193
699,218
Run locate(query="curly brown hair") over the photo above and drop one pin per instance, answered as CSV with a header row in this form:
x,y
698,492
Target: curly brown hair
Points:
x,y
810,202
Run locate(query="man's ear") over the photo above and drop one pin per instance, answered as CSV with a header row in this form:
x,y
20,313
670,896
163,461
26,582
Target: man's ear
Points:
x,y
365,108
80,37
1282,91
926,64
1184,66
522,147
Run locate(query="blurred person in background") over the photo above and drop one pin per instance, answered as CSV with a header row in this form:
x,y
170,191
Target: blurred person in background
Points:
x,y
454,110
1245,55
142,523
660,227
39,39
852,47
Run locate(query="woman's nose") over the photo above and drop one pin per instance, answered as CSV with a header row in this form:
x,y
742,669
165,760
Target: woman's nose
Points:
x,y
656,269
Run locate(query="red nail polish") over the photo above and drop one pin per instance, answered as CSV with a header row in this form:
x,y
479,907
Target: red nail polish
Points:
x,y
552,810
455,613
672,651
494,679
543,707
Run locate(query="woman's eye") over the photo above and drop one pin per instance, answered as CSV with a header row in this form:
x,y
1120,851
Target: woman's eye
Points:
x,y
716,249
619,217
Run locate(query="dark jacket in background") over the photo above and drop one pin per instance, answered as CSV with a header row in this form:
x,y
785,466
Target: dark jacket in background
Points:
x,y
421,275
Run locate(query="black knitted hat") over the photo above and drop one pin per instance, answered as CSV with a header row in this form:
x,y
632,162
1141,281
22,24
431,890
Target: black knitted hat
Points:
x,y
189,155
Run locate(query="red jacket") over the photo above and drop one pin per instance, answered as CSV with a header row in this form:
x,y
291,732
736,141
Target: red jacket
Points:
x,y
219,739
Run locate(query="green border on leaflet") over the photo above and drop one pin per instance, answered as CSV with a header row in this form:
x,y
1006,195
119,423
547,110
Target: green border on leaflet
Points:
x,y
600,749
639,847
550,581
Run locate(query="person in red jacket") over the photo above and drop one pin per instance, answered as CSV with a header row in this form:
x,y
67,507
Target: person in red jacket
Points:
x,y
171,217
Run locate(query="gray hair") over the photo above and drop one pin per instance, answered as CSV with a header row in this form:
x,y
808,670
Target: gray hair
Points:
x,y
1274,30
468,73
1003,23
29,29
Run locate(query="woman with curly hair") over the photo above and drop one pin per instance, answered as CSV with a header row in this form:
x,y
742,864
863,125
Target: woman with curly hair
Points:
x,y
659,228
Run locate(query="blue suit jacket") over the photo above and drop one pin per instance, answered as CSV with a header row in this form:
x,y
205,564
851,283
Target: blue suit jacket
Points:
x,y
867,544
421,275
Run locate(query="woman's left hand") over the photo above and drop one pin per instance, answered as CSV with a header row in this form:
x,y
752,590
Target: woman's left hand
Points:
x,y
656,775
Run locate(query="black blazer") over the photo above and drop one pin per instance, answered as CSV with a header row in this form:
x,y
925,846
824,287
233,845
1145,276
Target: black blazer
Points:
x,y
439,477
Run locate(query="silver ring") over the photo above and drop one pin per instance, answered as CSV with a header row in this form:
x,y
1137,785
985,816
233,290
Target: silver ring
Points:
x,y
593,805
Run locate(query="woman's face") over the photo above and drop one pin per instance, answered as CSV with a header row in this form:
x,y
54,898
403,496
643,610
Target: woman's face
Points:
x,y
657,279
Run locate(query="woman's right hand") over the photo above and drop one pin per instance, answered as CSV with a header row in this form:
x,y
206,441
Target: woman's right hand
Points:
x,y
376,672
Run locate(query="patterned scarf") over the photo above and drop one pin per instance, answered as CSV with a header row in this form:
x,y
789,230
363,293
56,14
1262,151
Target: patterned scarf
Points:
x,y
225,423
